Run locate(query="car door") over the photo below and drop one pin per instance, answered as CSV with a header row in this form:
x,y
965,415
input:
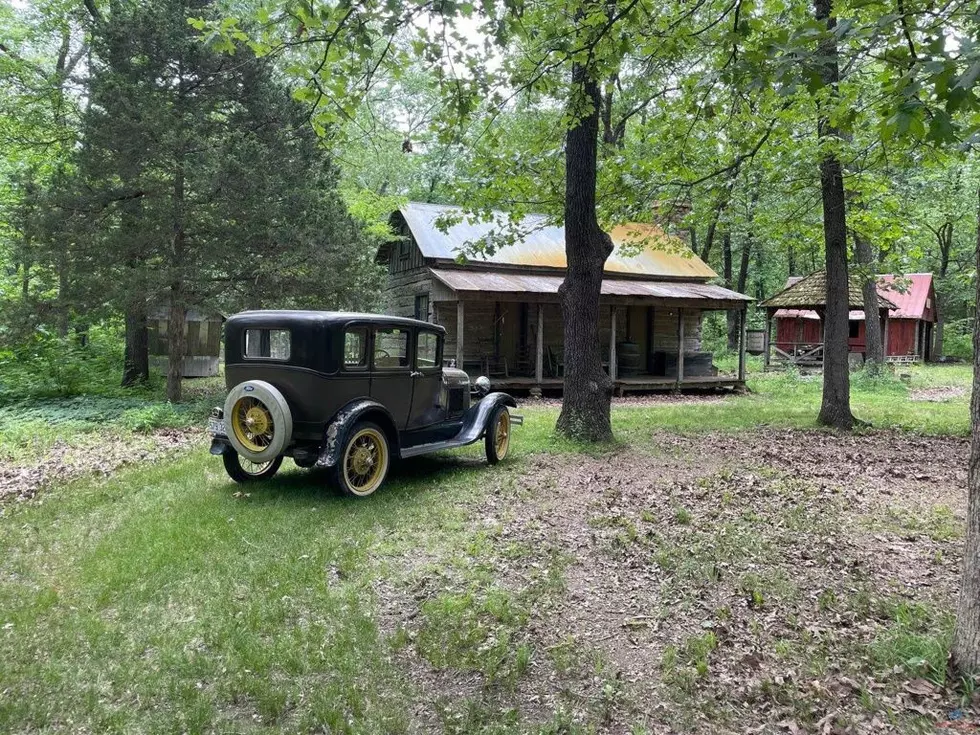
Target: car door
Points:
x,y
391,371
427,408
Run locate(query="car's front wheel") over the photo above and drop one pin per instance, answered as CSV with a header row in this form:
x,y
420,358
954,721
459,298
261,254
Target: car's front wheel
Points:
x,y
364,461
242,470
498,435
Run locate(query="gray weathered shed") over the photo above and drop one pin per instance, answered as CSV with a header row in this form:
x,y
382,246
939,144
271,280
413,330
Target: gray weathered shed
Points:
x,y
202,332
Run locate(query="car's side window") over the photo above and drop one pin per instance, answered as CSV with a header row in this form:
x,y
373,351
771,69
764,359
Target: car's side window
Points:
x,y
270,343
355,349
427,350
390,348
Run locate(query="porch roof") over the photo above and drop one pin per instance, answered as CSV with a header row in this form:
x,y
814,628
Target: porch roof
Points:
x,y
464,281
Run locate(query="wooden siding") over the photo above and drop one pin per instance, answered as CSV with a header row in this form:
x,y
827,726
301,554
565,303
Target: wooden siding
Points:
x,y
901,335
407,277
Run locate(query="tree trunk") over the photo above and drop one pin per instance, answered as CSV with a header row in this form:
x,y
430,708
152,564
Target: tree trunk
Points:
x,y
176,342
587,391
874,353
966,637
835,410
945,237
733,316
709,237
178,304
791,259
136,360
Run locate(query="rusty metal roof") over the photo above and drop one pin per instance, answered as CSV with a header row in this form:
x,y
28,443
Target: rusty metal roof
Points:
x,y
519,283
543,244
910,294
810,292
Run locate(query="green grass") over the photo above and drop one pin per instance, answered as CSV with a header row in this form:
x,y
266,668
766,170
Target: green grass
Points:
x,y
165,600
159,601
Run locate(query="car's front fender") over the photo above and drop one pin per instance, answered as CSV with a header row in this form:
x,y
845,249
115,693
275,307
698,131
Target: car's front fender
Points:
x,y
335,435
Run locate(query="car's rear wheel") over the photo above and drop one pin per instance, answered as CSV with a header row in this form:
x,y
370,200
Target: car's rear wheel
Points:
x,y
497,437
364,461
243,470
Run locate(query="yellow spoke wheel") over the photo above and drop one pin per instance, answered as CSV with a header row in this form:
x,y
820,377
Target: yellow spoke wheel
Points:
x,y
252,423
498,435
365,460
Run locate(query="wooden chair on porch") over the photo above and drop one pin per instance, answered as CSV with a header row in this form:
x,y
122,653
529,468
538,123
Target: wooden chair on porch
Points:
x,y
555,364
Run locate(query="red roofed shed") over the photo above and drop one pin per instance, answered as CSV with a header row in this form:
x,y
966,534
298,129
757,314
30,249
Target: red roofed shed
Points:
x,y
908,327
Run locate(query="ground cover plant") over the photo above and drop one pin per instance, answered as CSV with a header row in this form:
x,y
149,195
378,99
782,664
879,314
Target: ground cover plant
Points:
x,y
707,572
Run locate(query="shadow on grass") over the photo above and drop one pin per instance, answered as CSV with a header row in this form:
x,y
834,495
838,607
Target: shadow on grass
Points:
x,y
417,479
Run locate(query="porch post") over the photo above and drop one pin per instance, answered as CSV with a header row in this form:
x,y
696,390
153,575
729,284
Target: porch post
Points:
x,y
612,344
459,334
918,326
884,339
765,340
742,326
539,347
680,347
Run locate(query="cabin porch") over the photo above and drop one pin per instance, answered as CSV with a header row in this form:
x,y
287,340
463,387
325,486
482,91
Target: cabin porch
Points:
x,y
518,343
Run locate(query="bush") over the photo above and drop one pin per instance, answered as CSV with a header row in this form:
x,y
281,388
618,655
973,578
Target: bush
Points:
x,y
958,339
50,366
153,416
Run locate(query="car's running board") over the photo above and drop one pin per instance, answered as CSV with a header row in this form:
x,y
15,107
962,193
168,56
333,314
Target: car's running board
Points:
x,y
420,449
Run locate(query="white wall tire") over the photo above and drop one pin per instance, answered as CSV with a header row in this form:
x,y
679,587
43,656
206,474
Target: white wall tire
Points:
x,y
258,420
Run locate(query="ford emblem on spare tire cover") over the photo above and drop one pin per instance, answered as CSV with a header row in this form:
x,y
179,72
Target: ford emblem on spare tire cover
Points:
x,y
248,389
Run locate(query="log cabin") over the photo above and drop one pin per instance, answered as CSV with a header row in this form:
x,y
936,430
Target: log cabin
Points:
x,y
503,315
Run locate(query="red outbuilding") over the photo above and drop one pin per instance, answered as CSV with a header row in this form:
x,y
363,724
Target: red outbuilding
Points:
x,y
908,328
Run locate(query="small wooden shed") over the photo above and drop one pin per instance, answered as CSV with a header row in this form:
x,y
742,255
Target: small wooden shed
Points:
x,y
907,333
803,346
202,331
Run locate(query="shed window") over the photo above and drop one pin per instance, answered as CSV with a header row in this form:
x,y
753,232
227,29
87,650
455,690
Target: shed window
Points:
x,y
355,348
427,350
271,343
390,348
853,328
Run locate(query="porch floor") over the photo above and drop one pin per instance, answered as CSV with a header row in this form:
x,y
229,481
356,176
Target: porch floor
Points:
x,y
624,384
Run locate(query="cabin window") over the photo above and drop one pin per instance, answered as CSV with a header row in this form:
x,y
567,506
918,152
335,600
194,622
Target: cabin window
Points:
x,y
355,348
390,348
269,343
404,248
422,307
427,350
853,328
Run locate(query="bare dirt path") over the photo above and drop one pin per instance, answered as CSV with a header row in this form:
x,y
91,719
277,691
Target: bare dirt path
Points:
x,y
772,581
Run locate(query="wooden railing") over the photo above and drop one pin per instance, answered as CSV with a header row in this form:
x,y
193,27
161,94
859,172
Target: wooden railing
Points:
x,y
798,353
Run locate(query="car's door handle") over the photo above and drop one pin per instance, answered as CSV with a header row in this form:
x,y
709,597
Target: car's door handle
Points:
x,y
416,374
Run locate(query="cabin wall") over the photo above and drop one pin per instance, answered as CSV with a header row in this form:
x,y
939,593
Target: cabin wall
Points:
x,y
407,277
514,338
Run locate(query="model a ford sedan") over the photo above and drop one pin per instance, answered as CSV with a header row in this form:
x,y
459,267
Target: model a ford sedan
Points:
x,y
346,392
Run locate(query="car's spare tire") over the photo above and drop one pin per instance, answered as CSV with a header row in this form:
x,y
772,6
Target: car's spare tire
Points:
x,y
257,420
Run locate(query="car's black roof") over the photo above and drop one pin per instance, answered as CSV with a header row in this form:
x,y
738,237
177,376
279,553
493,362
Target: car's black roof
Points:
x,y
280,317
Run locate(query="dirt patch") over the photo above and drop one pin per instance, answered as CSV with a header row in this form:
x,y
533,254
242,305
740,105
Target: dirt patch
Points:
x,y
938,395
90,453
765,582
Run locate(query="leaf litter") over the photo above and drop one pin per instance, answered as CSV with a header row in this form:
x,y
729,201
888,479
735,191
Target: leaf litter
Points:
x,y
764,582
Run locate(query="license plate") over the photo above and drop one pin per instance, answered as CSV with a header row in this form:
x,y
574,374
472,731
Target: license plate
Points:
x,y
216,426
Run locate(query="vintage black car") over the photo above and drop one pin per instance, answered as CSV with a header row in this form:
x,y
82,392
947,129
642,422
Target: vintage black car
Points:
x,y
346,392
